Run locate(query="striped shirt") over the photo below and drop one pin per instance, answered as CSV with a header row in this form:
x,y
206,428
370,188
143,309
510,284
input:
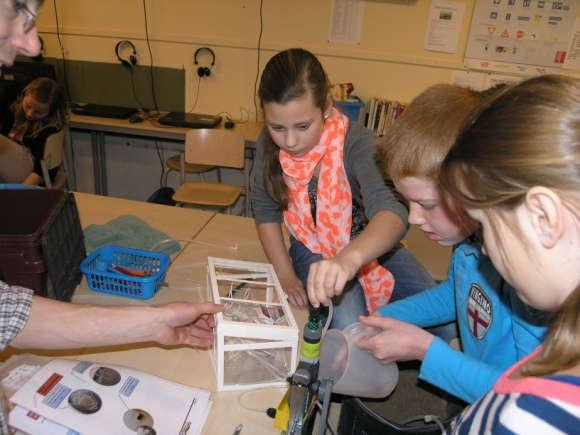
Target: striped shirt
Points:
x,y
534,405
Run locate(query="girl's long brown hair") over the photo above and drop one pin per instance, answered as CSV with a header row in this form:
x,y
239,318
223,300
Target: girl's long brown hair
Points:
x,y
45,91
288,75
528,135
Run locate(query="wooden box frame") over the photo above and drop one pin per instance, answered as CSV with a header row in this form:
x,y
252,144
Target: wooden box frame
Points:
x,y
267,294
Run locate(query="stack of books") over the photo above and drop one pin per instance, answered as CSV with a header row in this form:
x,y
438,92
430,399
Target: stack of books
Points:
x,y
381,113
81,397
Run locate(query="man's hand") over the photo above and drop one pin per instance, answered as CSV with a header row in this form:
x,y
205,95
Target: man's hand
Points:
x,y
188,323
398,341
327,278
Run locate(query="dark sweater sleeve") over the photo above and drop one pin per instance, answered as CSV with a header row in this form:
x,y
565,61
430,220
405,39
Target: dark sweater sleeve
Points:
x,y
6,121
366,180
266,210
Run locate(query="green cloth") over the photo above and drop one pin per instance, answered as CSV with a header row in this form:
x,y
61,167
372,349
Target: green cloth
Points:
x,y
130,232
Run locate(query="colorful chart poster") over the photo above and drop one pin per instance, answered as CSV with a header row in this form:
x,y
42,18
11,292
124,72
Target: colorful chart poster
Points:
x,y
520,36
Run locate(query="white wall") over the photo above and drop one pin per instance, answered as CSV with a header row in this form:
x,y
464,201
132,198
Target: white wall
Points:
x,y
389,62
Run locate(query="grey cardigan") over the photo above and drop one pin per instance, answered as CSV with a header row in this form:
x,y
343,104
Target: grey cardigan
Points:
x,y
366,182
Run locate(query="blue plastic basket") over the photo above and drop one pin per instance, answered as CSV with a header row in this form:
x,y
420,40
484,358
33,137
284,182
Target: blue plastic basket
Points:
x,y
103,270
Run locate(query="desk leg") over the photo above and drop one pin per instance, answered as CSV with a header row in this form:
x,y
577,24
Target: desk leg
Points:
x,y
69,161
99,162
249,156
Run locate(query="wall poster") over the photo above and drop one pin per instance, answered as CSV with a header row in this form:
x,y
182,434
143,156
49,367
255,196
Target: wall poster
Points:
x,y
520,36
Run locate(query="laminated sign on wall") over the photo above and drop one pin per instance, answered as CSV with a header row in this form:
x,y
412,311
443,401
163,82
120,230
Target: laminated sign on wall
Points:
x,y
520,36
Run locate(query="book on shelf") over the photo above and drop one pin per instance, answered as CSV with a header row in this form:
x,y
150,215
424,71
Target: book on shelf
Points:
x,y
381,113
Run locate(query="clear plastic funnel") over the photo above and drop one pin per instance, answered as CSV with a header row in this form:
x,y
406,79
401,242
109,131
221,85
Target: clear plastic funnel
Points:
x,y
356,372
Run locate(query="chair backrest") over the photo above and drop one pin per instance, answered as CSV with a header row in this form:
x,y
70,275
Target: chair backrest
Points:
x,y
214,146
53,148
53,158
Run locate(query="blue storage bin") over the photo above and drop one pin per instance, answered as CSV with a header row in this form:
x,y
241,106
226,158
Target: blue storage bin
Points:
x,y
350,108
110,269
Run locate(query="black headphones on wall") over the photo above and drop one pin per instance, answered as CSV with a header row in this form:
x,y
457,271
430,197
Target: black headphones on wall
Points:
x,y
204,71
132,57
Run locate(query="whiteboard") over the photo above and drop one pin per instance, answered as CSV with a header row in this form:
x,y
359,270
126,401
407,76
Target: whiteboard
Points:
x,y
520,36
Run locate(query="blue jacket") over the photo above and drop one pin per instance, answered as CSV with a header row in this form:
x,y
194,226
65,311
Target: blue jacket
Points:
x,y
495,327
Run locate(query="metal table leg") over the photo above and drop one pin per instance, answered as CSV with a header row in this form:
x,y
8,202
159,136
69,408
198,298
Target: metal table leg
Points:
x,y
99,162
249,156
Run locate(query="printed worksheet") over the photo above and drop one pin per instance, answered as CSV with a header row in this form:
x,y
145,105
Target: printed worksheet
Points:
x,y
93,398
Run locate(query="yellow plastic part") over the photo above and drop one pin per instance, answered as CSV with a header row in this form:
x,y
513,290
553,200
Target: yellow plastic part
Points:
x,y
282,414
310,350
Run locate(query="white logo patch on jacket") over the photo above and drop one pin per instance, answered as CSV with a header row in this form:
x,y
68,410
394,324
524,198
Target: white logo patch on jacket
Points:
x,y
479,312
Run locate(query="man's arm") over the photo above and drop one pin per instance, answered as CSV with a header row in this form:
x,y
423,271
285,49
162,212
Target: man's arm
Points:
x,y
59,325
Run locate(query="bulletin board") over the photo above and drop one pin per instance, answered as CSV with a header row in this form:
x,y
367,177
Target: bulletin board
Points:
x,y
520,36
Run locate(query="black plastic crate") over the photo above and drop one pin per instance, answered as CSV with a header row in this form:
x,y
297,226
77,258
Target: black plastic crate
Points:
x,y
41,241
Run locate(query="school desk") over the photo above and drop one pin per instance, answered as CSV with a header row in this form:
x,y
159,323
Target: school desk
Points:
x,y
99,128
201,234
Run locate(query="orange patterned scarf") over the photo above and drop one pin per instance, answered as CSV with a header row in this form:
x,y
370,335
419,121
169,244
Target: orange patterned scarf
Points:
x,y
331,233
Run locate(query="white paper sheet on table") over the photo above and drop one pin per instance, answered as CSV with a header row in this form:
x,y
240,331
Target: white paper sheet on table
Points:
x,y
136,398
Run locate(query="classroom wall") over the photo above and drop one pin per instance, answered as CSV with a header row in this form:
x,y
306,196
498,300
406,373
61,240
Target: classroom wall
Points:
x,y
389,61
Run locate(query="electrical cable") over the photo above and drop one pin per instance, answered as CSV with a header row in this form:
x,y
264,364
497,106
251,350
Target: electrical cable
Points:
x,y
328,319
196,96
258,62
328,425
242,111
228,115
135,97
192,240
249,408
427,419
150,59
64,68
161,162
233,248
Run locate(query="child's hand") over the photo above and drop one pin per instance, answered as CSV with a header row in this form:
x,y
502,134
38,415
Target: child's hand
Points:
x,y
326,279
399,341
295,290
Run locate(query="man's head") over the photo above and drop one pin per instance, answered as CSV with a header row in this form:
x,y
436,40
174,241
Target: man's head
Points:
x,y
18,34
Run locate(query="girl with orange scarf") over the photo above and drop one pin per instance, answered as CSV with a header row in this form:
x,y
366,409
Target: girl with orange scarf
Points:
x,y
315,171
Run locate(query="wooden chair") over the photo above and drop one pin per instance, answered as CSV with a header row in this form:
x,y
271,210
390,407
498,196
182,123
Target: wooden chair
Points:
x,y
53,158
173,163
212,147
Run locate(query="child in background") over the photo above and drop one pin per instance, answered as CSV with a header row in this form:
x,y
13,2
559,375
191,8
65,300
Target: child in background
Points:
x,y
496,329
39,112
317,171
516,170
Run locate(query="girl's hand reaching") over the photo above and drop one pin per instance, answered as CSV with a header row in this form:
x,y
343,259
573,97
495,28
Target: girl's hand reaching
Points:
x,y
295,290
327,279
398,341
